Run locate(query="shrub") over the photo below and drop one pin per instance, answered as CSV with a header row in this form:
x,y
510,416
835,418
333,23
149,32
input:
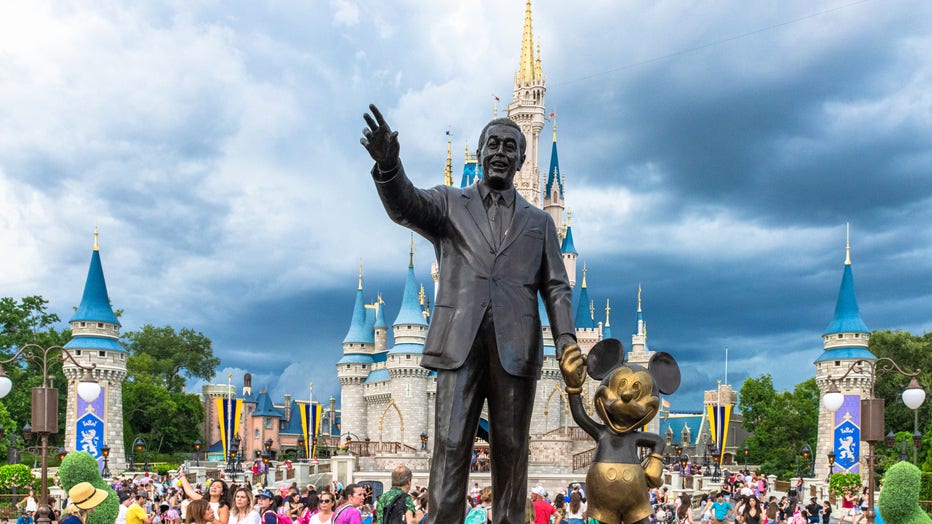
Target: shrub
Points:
x,y
839,483
925,486
80,467
899,499
18,475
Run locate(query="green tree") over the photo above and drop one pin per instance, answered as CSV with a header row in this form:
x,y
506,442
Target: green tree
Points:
x,y
154,400
28,321
781,423
163,355
910,352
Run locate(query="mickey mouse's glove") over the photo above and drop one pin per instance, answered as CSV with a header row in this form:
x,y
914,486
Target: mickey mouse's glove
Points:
x,y
573,368
653,470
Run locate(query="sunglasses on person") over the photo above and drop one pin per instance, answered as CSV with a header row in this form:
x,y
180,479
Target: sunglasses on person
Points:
x,y
325,501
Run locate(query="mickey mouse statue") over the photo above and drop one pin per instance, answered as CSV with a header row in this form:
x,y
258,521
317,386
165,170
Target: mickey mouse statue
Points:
x,y
627,399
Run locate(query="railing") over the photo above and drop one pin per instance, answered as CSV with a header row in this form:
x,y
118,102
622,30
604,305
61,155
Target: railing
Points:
x,y
583,459
781,486
573,432
368,449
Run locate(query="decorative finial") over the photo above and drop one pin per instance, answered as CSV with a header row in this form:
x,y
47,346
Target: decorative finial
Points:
x,y
553,115
96,245
847,243
379,298
569,217
360,275
592,309
584,271
639,297
608,310
411,255
420,296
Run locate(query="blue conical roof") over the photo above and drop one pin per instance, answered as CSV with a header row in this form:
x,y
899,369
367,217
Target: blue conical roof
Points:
x,y
607,332
471,170
542,311
583,315
380,316
95,303
553,176
847,314
568,246
411,312
357,331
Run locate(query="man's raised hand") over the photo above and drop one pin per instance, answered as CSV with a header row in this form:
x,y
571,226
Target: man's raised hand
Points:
x,y
379,140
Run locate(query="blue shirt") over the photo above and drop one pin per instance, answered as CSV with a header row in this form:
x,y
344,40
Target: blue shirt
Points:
x,y
721,509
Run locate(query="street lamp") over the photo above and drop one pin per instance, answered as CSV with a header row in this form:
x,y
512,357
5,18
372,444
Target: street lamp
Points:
x,y
423,441
266,458
806,453
716,457
684,460
12,453
105,453
45,406
139,446
872,409
746,450
197,453
301,442
891,442
831,464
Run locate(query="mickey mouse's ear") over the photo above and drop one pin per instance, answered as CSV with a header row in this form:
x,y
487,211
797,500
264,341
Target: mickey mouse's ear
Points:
x,y
666,372
604,356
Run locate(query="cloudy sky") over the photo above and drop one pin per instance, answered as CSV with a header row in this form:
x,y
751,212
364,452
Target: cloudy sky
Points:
x,y
713,152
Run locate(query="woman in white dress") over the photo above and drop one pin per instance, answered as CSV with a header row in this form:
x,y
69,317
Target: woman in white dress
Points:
x,y
326,503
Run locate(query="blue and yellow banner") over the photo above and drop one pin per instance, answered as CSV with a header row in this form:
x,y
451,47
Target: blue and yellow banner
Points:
x,y
229,412
310,426
719,419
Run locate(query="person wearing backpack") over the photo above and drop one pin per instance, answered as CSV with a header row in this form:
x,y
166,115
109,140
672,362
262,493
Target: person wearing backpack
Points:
x,y
395,506
267,507
482,513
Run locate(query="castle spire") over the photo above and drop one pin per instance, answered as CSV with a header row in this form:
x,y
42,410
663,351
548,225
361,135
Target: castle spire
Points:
x,y
639,297
584,311
359,287
95,303
847,243
448,167
411,254
528,66
847,318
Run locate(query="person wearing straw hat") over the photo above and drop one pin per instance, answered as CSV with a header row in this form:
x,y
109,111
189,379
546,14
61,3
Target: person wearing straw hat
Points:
x,y
84,498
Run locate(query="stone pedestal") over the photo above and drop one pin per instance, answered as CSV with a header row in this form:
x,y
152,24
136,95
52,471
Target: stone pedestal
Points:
x,y
342,468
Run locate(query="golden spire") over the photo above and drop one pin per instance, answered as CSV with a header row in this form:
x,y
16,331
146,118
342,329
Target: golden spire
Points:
x,y
448,168
569,217
411,255
608,310
527,67
96,245
639,298
360,275
538,72
584,271
421,295
554,126
847,243
379,298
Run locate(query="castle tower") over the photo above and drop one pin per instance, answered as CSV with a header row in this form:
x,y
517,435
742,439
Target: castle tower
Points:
x,y
403,416
639,354
527,110
719,404
568,250
95,340
355,366
587,332
843,342
553,191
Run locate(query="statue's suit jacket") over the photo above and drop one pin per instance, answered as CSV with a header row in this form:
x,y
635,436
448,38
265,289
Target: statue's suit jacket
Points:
x,y
474,274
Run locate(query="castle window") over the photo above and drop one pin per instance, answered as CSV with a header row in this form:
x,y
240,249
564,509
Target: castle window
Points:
x,y
840,336
268,422
100,325
857,335
837,363
257,433
407,357
103,353
363,367
77,352
83,324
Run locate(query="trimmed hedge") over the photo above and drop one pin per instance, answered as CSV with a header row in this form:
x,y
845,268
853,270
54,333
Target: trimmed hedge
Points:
x,y
899,499
78,467
925,486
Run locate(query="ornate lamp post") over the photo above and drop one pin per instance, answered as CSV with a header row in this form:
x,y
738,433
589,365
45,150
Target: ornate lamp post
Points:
x,y
807,456
266,459
872,409
139,446
831,464
746,450
716,457
105,453
423,441
684,461
301,442
61,454
197,452
45,406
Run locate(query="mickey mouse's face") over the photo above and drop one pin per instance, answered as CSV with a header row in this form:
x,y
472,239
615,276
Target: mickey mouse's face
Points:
x,y
627,399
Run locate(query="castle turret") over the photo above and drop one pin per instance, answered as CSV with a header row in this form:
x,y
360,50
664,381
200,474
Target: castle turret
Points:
x,y
639,354
587,331
527,110
607,328
553,191
568,250
354,368
844,342
95,334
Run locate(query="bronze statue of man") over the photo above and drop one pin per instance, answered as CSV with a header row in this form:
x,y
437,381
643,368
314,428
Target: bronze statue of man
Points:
x,y
496,252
